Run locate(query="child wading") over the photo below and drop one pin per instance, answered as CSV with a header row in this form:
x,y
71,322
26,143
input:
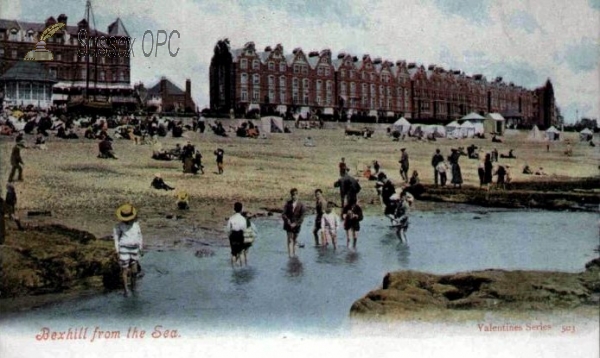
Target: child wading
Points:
x,y
128,243
330,223
220,153
352,216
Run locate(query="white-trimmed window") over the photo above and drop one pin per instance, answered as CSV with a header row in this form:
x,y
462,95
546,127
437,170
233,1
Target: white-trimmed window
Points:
x,y
256,79
282,67
244,78
342,73
244,95
243,64
295,83
282,82
255,95
271,66
256,65
305,83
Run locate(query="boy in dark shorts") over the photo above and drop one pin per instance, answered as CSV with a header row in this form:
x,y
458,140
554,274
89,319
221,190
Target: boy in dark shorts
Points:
x,y
352,215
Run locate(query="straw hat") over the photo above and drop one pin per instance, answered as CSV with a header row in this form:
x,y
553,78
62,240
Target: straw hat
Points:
x,y
157,175
126,212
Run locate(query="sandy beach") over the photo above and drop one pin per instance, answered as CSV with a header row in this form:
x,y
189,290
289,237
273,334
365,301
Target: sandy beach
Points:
x,y
83,191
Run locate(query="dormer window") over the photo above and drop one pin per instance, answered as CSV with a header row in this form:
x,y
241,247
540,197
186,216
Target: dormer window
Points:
x,y
13,34
30,35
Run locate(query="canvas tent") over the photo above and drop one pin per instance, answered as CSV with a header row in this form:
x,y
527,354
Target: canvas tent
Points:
x,y
479,129
438,131
272,124
552,133
473,117
586,135
453,129
467,130
494,123
535,134
401,125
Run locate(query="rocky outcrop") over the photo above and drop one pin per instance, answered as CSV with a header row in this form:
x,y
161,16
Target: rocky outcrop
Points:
x,y
406,291
51,259
576,195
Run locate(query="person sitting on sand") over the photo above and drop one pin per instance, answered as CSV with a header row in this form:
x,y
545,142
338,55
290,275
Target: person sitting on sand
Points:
x,y
540,172
159,183
127,236
106,150
414,179
330,222
510,155
40,142
368,174
183,201
527,170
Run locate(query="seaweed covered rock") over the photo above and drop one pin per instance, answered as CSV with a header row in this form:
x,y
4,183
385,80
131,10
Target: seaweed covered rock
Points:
x,y
50,259
404,291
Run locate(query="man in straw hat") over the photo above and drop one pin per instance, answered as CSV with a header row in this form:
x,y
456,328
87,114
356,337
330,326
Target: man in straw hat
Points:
x,y
128,242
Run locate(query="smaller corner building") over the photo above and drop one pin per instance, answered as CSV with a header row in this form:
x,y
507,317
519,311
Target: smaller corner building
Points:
x,y
372,88
167,97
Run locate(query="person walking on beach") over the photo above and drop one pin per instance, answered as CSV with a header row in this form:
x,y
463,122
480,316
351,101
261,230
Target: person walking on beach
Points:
x,y
10,203
330,223
319,205
487,169
435,160
481,173
349,189
442,169
352,215
456,173
235,228
16,163
404,165
343,168
128,240
220,153
293,215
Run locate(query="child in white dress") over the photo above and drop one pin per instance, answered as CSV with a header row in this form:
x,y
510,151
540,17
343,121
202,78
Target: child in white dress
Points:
x,y
330,222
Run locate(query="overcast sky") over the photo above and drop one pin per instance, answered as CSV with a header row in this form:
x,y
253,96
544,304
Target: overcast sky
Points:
x,y
524,41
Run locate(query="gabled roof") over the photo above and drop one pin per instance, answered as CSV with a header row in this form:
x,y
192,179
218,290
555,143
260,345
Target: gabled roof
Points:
x,y
27,71
172,89
117,28
264,56
8,24
290,59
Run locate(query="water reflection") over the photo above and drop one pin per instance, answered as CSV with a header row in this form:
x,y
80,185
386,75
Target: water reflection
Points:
x,y
243,275
294,267
352,257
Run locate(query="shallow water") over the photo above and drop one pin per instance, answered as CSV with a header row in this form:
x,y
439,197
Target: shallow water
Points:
x,y
313,293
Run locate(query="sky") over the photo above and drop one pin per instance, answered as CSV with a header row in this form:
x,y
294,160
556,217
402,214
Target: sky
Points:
x,y
524,41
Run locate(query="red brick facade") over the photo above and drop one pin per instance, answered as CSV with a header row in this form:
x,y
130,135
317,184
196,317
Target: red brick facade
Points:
x,y
111,75
245,79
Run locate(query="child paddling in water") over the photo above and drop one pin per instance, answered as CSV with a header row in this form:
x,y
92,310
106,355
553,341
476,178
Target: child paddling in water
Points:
x,y
329,226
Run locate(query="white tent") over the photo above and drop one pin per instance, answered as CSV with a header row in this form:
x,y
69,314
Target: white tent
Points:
x,y
467,130
453,129
479,128
586,135
473,117
328,111
535,134
494,123
552,133
401,125
271,124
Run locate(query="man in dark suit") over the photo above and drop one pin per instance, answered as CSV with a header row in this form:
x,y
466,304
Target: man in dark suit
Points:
x,y
349,189
293,215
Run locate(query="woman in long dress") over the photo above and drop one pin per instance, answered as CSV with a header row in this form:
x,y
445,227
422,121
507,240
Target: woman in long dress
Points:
x,y
456,173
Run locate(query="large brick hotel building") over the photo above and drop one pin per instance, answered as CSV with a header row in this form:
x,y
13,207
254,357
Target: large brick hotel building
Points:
x,y
245,79
105,77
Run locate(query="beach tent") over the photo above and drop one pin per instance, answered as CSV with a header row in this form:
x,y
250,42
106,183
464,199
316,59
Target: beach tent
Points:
x,y
467,130
494,123
552,133
415,130
401,125
479,129
586,135
453,129
272,124
473,117
535,134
